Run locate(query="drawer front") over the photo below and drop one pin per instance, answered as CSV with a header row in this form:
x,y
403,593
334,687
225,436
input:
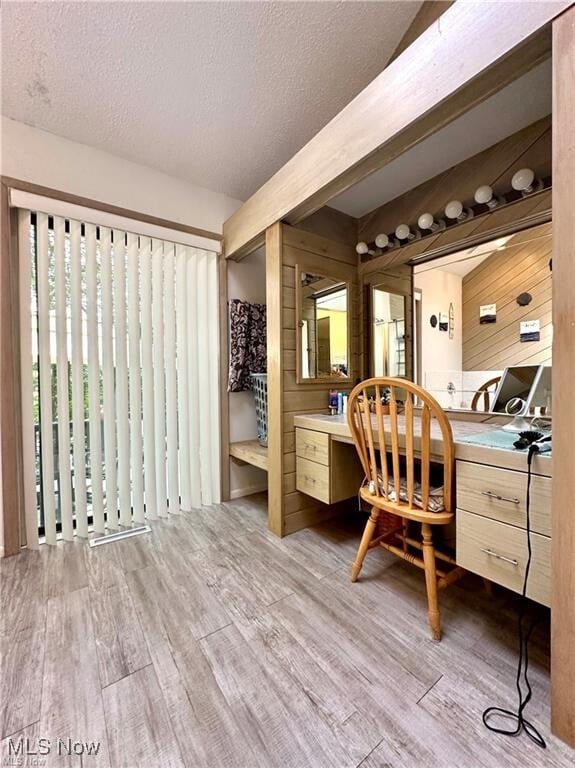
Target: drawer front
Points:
x,y
500,494
498,552
313,479
312,445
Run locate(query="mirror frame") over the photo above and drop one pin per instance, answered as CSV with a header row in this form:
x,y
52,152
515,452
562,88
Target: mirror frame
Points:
x,y
299,268
368,282
409,332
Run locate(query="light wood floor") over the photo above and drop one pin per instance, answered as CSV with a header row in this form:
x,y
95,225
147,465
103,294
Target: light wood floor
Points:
x,y
212,643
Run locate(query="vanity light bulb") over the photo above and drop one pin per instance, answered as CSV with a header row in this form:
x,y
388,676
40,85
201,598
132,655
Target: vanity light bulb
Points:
x,y
522,181
382,241
362,248
425,221
454,209
483,194
402,232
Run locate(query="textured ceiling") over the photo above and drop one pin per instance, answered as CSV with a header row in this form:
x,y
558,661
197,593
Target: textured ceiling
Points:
x,y
221,94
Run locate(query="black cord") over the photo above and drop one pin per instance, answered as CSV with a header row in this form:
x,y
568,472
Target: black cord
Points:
x,y
523,664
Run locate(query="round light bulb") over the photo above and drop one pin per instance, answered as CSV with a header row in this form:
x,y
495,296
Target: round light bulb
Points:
x,y
382,241
402,232
483,194
361,248
425,221
454,209
523,179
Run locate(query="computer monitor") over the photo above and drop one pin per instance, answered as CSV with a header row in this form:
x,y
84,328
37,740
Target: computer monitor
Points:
x,y
514,394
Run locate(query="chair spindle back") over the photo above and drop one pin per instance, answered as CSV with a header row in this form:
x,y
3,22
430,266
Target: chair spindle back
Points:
x,y
484,392
371,431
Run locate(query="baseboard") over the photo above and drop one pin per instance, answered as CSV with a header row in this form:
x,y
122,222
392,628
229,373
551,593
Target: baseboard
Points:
x,y
237,493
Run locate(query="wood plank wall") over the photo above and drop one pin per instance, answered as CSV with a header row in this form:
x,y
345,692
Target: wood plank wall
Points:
x,y
333,224
530,147
499,280
287,247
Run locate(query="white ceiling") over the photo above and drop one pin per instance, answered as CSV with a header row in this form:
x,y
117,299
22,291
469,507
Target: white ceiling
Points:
x,y
220,94
523,102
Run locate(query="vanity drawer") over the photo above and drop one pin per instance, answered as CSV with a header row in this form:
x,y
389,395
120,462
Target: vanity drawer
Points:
x,y
500,494
313,479
312,445
498,552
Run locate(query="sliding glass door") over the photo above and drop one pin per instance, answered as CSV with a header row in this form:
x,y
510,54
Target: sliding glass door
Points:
x,y
119,376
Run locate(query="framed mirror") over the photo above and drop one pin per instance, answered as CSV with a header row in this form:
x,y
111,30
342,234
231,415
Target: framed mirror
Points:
x,y
388,332
387,307
323,327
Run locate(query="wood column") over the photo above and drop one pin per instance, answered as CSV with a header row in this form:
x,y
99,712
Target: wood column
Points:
x,y
563,532
274,290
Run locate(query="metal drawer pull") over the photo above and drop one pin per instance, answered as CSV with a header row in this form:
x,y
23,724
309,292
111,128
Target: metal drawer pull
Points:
x,y
499,557
498,497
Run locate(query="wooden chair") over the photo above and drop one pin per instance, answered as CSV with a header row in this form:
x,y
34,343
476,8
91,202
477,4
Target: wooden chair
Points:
x,y
378,436
484,391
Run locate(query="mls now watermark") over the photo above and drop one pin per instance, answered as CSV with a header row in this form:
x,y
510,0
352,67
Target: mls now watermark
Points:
x,y
24,749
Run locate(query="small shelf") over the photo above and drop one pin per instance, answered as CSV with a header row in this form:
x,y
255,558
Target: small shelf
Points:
x,y
250,452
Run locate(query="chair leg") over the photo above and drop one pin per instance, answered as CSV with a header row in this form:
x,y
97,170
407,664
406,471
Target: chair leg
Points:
x,y
431,581
364,543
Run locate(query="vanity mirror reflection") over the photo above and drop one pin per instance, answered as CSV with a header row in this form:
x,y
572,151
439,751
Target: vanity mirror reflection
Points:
x,y
388,332
481,311
322,338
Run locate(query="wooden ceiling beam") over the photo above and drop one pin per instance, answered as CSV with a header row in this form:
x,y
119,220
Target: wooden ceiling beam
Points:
x,y
464,57
429,12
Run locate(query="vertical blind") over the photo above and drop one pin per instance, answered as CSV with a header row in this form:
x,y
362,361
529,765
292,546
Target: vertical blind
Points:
x,y
119,357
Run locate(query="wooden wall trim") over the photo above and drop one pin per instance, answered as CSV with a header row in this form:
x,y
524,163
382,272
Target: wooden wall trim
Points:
x,y
563,489
492,49
224,363
10,401
274,289
98,205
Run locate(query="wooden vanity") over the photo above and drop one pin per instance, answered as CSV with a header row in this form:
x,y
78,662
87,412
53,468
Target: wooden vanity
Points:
x,y
491,486
491,526
325,468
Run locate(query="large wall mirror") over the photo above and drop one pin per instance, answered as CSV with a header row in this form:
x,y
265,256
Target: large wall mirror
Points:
x,y
323,333
480,311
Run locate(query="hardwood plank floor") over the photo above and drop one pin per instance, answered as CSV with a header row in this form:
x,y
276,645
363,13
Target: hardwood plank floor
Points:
x,y
139,729
71,692
119,638
212,644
